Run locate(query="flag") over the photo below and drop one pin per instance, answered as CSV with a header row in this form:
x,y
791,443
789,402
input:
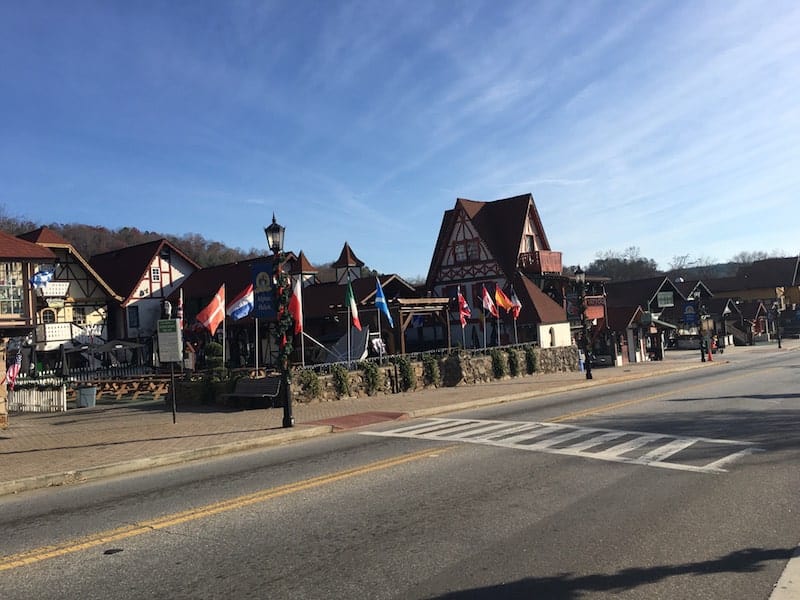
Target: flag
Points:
x,y
13,371
242,305
380,303
501,299
516,305
213,315
351,300
180,310
296,306
41,278
488,304
464,311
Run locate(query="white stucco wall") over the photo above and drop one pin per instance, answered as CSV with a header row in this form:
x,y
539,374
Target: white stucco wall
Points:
x,y
554,335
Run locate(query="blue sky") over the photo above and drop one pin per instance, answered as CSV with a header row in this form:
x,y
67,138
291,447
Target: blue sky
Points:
x,y
671,126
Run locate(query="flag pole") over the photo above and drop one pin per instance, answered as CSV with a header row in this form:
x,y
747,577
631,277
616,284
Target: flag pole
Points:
x,y
302,329
257,344
348,323
224,330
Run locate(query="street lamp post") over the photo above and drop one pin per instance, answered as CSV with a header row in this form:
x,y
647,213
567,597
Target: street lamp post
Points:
x,y
580,278
699,316
777,307
283,324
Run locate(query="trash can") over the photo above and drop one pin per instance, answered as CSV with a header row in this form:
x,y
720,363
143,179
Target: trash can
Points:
x,y
86,396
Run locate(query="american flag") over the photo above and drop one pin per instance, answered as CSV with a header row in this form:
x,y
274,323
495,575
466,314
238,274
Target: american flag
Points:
x,y
13,371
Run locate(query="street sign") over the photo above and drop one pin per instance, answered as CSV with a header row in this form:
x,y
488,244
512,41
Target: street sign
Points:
x,y
170,341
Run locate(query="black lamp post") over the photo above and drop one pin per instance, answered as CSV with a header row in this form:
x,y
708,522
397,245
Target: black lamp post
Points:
x,y
580,277
284,325
777,307
698,308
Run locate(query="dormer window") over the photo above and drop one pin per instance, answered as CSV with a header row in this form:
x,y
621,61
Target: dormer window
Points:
x,y
529,247
155,274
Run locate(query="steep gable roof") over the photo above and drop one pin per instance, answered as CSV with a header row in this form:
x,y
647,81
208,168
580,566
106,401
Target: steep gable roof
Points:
x,y
303,266
638,291
14,248
347,259
44,236
500,224
546,310
124,268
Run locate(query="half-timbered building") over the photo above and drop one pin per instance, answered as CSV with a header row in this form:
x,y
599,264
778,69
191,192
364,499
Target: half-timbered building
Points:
x,y
500,244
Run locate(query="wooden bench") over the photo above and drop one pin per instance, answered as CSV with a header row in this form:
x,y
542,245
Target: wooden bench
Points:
x,y
262,388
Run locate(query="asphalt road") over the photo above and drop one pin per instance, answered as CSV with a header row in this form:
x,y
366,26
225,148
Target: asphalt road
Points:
x,y
684,486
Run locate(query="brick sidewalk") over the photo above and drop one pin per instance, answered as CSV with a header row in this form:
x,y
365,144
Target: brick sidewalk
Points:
x,y
39,450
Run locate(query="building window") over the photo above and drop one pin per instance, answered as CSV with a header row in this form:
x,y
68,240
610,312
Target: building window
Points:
x,y
460,251
11,289
48,316
133,317
79,315
529,243
155,274
473,249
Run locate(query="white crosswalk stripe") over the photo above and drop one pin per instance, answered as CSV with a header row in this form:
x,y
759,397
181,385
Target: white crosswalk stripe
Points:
x,y
697,454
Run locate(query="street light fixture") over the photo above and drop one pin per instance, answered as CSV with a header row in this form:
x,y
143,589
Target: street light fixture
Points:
x,y
698,313
283,324
580,278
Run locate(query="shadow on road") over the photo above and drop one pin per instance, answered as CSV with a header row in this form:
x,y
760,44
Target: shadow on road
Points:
x,y
566,586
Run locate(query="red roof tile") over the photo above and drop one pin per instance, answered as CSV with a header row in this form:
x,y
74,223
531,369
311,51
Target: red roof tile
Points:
x,y
14,248
44,236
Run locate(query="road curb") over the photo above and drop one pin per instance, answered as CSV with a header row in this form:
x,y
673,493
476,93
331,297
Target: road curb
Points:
x,y
140,464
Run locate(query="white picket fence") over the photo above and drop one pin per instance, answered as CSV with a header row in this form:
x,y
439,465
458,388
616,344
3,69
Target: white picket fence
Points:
x,y
34,400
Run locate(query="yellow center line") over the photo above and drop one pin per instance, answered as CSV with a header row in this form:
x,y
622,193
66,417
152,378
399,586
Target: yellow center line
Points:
x,y
615,405
39,554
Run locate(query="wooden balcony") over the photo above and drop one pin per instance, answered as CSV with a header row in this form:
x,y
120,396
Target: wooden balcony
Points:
x,y
50,336
540,262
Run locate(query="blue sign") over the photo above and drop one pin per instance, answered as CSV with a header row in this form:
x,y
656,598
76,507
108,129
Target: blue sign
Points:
x,y
690,314
264,292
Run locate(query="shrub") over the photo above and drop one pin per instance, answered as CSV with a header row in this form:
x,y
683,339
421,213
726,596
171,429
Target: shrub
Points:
x,y
341,380
531,360
430,370
513,362
309,383
372,377
499,363
408,379
215,361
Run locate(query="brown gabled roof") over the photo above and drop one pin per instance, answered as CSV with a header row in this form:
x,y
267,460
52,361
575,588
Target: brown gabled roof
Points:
x,y
347,259
500,224
537,307
638,291
14,248
123,269
204,283
770,273
619,318
318,299
45,236
303,266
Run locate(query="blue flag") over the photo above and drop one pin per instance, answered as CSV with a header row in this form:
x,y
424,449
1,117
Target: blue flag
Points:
x,y
380,302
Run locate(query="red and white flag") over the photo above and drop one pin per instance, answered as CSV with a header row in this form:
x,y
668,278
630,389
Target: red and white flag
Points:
x,y
296,306
213,315
351,300
516,305
464,311
488,304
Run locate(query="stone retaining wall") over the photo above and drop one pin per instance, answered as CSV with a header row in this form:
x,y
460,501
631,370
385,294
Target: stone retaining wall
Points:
x,y
454,370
